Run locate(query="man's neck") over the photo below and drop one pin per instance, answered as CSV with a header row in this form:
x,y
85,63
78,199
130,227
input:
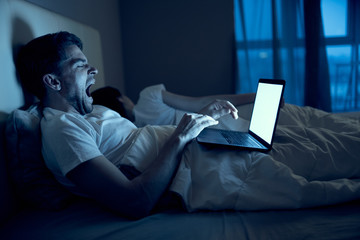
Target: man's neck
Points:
x,y
57,102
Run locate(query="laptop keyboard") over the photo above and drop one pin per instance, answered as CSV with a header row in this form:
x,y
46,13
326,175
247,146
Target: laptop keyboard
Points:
x,y
240,139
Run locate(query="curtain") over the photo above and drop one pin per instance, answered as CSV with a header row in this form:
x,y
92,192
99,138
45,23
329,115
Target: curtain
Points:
x,y
317,79
283,39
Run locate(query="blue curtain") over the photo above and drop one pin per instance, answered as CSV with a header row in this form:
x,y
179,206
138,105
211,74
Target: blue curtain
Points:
x,y
317,79
283,39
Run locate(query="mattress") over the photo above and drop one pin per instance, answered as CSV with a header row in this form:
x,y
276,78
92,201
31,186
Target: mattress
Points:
x,y
86,220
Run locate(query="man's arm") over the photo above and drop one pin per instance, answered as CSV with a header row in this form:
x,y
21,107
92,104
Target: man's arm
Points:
x,y
196,104
103,181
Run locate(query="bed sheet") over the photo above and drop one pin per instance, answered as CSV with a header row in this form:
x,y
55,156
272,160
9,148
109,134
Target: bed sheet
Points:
x,y
86,220
314,162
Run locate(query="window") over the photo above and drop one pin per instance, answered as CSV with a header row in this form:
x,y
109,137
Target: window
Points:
x,y
270,44
334,14
255,29
342,41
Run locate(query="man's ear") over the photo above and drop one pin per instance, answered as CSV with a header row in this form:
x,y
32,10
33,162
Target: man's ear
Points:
x,y
51,81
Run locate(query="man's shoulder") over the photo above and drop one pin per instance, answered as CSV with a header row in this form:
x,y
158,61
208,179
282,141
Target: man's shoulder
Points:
x,y
100,111
51,114
53,120
56,117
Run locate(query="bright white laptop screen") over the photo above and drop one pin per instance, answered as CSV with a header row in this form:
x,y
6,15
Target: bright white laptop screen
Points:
x,y
264,114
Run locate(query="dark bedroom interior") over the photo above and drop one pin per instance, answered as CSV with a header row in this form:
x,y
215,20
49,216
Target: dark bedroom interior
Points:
x,y
306,187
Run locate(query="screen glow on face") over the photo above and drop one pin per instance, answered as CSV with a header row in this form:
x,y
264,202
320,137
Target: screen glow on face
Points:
x,y
265,110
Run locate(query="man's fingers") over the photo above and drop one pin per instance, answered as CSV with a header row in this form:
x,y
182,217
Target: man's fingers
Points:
x,y
207,121
233,110
235,115
192,124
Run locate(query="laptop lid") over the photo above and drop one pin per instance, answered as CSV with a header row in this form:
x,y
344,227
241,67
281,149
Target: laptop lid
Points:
x,y
266,110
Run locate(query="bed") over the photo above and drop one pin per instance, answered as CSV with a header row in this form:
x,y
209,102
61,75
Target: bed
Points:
x,y
80,218
38,208
314,160
84,220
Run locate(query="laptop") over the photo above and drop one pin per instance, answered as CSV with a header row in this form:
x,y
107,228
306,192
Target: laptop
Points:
x,y
263,121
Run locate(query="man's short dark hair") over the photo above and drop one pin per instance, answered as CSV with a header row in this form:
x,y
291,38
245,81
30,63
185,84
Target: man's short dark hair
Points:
x,y
42,56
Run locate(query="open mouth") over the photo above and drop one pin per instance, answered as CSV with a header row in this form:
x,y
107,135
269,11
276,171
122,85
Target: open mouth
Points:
x,y
88,93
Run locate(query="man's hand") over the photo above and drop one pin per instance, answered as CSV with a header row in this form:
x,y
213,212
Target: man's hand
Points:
x,y
191,125
219,108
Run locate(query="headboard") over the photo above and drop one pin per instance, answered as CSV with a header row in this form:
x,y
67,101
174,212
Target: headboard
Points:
x,y
20,22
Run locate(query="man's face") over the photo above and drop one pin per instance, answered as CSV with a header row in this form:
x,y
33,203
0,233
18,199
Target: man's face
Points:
x,y
76,77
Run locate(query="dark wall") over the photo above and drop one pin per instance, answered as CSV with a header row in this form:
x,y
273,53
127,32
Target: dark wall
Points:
x,y
103,16
185,44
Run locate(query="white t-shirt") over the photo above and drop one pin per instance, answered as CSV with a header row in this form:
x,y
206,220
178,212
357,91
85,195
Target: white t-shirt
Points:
x,y
150,108
69,139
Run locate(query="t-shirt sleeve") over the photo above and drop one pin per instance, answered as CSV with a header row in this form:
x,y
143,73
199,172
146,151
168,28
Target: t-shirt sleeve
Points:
x,y
150,108
66,142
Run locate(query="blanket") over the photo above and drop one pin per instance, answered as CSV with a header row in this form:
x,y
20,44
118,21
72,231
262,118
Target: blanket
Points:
x,y
314,161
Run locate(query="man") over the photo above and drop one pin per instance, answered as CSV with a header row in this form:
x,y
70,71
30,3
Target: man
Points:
x,y
80,142
314,160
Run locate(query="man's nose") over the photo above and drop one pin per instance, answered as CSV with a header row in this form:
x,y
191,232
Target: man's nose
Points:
x,y
92,71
